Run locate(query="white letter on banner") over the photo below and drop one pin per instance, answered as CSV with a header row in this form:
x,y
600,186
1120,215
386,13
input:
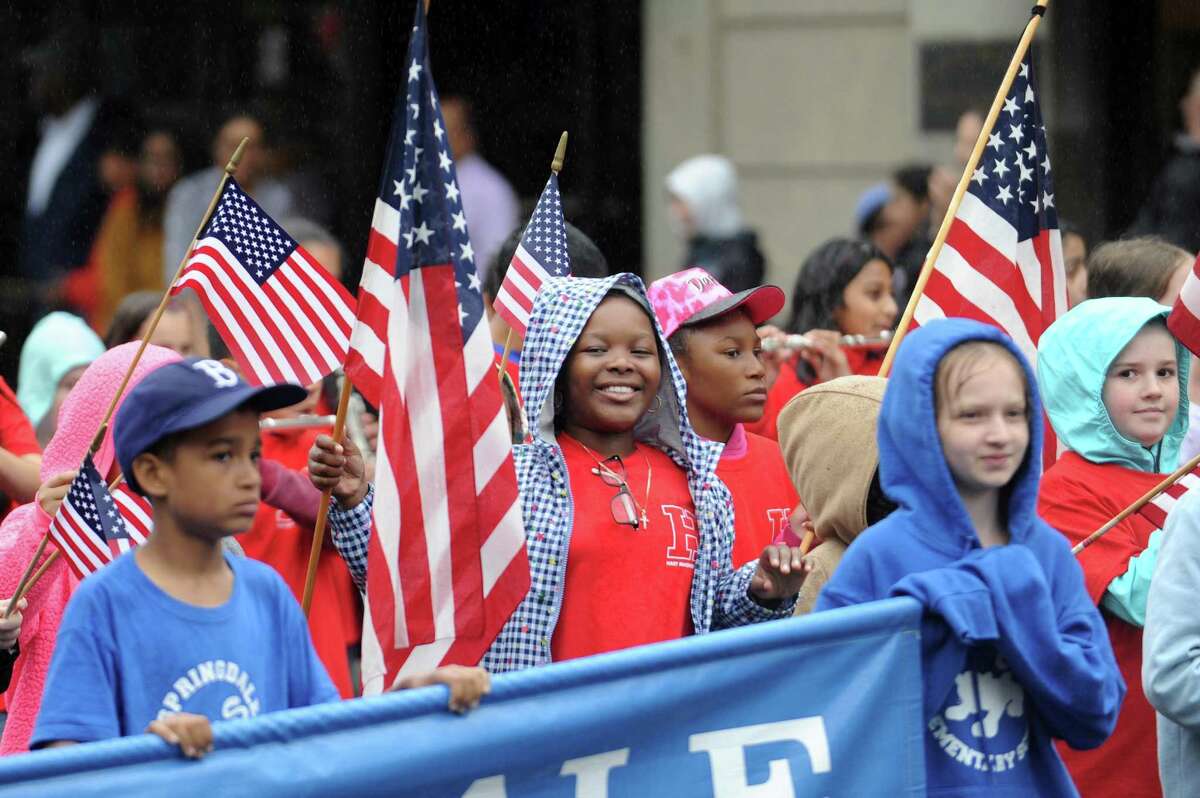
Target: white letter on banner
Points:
x,y
591,772
726,753
491,787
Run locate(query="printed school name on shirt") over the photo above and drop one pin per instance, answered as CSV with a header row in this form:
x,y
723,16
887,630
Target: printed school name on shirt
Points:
x,y
989,711
212,676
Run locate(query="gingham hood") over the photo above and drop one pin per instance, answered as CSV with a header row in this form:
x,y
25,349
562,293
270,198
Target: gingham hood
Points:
x,y
560,312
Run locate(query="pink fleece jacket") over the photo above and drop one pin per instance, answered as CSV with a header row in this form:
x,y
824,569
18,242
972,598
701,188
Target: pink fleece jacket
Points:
x,y
24,528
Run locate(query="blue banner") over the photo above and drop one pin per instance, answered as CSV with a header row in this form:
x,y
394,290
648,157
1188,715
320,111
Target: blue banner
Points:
x,y
824,705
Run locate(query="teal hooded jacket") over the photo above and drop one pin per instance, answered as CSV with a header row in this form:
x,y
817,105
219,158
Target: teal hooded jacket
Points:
x,y
1074,356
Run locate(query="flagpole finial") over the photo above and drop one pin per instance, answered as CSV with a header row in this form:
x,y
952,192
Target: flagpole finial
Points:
x,y
560,154
236,158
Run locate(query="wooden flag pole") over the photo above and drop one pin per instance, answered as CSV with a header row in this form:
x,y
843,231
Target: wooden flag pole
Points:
x,y
22,590
23,582
1148,497
560,155
230,168
314,554
935,249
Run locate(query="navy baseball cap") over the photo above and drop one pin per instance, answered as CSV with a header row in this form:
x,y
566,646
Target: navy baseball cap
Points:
x,y
185,395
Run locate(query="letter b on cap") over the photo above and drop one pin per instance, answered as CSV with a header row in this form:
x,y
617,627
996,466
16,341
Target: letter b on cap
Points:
x,y
221,375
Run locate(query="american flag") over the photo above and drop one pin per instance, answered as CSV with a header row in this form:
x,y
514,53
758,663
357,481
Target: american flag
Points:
x,y
1155,511
1002,263
1184,319
284,318
541,253
93,526
446,564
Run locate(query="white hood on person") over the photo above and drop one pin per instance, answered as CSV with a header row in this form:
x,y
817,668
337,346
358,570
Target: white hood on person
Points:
x,y
707,185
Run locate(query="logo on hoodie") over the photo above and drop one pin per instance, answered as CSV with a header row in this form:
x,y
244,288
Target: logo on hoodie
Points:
x,y
983,726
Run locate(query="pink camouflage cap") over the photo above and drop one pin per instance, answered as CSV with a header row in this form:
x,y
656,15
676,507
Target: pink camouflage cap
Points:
x,y
693,295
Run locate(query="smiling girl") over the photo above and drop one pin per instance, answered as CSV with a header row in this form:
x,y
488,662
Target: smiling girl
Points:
x,y
843,288
1112,376
627,527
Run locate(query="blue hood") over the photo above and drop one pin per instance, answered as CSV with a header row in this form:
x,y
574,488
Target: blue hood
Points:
x,y
1074,355
912,468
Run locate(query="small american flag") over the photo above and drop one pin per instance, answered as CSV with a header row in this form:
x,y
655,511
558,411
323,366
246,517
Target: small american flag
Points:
x,y
1155,511
446,561
284,318
1184,319
1002,263
93,526
542,253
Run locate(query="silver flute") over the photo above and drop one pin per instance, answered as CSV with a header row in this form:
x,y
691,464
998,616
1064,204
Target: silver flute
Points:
x,y
793,341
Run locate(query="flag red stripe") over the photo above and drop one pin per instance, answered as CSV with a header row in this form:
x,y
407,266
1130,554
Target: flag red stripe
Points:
x,y
237,317
942,291
335,329
381,251
1000,270
458,427
255,298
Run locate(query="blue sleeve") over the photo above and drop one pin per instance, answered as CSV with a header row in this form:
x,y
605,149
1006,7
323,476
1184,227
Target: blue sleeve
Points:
x,y
351,532
1171,643
79,702
308,681
1061,655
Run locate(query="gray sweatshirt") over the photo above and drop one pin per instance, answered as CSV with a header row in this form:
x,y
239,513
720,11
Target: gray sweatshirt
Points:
x,y
1171,650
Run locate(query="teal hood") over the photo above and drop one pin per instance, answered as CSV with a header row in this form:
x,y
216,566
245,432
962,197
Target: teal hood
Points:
x,y
1074,355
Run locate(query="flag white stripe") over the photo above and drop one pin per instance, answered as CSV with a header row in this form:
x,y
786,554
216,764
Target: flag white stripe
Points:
x,y
75,530
69,550
373,665
927,310
996,231
423,659
1189,481
502,546
479,357
492,449
367,344
385,220
333,304
1189,295
985,295
419,384
234,273
505,299
533,264
1030,269
249,349
1059,272
328,360
387,518
377,282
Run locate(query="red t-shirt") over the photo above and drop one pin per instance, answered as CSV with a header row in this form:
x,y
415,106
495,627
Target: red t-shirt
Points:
x,y
626,587
1078,497
752,468
861,359
16,435
280,542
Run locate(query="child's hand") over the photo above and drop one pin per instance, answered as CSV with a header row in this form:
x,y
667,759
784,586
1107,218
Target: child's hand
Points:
x,y
825,354
467,685
337,467
10,627
192,733
52,492
780,574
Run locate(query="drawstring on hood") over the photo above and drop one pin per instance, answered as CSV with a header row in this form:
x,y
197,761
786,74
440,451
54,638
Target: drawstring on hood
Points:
x,y
912,468
1074,355
707,184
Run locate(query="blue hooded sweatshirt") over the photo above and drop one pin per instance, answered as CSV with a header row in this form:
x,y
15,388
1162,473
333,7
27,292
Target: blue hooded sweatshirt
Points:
x,y
1014,652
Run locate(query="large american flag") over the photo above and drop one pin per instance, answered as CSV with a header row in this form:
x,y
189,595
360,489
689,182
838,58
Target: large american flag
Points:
x,y
1002,263
541,253
283,317
446,564
94,526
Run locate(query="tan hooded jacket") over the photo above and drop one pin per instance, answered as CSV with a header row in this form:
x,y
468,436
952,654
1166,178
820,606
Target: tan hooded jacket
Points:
x,y
827,434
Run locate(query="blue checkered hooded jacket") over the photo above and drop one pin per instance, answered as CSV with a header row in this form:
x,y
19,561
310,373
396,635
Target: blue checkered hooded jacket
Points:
x,y
719,594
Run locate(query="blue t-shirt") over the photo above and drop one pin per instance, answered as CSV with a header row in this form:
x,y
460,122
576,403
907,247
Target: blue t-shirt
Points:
x,y
128,653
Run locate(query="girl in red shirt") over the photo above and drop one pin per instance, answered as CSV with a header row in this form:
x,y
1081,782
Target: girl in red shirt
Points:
x,y
712,334
844,288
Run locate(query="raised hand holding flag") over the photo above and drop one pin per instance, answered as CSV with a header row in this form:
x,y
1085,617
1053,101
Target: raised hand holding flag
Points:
x,y
91,527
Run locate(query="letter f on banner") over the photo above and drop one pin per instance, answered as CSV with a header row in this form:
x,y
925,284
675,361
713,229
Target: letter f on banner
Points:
x,y
726,754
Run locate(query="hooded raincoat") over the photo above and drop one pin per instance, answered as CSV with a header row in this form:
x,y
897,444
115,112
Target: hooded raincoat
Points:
x,y
1014,652
1099,476
816,429
25,527
719,596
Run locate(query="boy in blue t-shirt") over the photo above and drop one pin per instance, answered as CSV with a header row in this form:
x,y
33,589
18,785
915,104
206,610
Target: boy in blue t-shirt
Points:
x,y
176,633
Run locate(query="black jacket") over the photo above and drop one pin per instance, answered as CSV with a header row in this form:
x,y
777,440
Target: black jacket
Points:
x,y
737,263
1173,208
